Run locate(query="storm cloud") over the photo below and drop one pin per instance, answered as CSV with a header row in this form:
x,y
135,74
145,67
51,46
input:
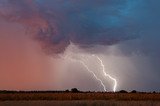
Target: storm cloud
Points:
x,y
124,33
56,23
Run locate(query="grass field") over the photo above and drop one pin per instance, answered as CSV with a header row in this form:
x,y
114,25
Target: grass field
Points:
x,y
78,99
80,103
79,96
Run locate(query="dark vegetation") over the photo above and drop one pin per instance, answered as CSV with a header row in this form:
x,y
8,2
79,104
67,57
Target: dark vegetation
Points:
x,y
123,91
75,94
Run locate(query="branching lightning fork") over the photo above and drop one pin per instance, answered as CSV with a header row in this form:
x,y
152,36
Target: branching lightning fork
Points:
x,y
105,74
85,65
94,75
103,70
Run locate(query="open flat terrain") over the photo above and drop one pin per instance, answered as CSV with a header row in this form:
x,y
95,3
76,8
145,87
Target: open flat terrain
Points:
x,y
19,96
80,103
78,99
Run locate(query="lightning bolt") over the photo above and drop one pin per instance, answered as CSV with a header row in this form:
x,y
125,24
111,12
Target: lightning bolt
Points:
x,y
105,74
93,75
87,68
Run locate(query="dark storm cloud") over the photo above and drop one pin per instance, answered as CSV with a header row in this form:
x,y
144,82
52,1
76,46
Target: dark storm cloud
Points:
x,y
132,26
147,45
56,23
148,16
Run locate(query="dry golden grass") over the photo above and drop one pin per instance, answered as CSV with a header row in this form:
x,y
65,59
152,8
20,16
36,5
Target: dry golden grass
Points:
x,y
81,96
80,103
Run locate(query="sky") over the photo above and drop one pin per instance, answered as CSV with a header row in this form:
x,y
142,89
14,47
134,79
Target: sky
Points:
x,y
54,44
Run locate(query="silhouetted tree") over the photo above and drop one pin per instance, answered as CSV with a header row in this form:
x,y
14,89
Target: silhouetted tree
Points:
x,y
67,90
134,91
75,90
123,91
